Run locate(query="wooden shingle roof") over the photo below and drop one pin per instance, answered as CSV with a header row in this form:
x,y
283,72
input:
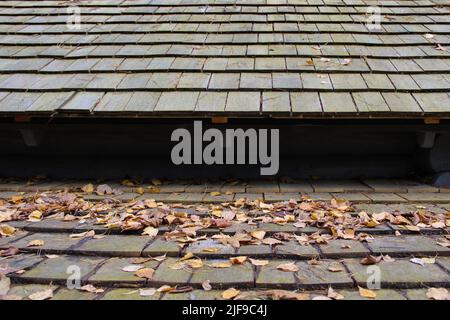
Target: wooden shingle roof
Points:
x,y
279,58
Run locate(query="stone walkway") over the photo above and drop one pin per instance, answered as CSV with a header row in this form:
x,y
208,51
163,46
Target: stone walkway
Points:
x,y
279,254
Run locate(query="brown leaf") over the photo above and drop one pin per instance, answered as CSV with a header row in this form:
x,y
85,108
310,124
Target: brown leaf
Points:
x,y
90,288
335,267
288,267
370,260
146,273
150,231
257,262
258,234
36,243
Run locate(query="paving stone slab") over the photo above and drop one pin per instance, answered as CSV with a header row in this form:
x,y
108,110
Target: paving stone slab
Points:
x,y
10,241
111,273
210,248
271,228
165,275
406,245
114,245
293,249
399,274
385,197
18,262
48,225
61,268
67,294
53,242
269,276
237,275
194,295
319,276
160,246
426,197
343,249
383,294
257,251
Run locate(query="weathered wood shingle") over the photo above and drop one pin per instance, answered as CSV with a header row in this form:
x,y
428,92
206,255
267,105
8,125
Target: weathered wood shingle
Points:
x,y
298,58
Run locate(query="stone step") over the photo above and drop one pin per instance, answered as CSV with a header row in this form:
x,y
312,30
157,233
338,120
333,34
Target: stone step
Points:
x,y
303,275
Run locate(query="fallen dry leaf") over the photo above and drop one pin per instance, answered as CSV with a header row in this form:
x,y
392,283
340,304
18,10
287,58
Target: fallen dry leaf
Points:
x,y
230,293
259,263
146,273
42,295
165,288
370,260
334,294
366,293
89,188
6,230
90,288
11,251
258,234
438,294
35,216
150,231
238,260
36,243
288,267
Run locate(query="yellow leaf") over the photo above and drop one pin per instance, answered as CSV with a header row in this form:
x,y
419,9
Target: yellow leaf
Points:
x,y
187,256
217,213
152,189
258,234
230,293
89,188
35,216
35,243
215,193
366,293
6,230
194,263
156,182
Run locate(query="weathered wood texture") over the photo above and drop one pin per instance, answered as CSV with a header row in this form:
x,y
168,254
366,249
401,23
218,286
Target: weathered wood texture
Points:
x,y
286,58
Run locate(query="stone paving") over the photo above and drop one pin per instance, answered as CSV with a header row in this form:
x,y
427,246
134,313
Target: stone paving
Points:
x,y
409,263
